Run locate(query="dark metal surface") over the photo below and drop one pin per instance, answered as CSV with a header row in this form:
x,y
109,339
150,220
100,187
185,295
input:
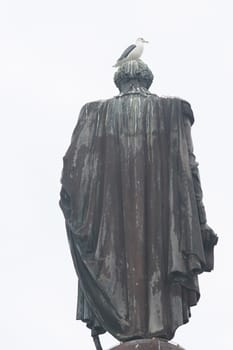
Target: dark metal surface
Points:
x,y
148,344
97,342
135,220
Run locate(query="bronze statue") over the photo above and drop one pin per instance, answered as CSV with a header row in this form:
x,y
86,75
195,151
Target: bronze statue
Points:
x,y
132,201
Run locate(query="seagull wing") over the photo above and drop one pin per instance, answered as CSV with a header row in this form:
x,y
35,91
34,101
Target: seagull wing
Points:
x,y
126,52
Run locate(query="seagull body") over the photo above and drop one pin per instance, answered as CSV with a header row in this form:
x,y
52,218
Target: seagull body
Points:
x,y
132,52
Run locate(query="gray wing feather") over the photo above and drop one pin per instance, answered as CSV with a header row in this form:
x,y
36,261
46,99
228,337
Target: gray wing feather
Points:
x,y
126,52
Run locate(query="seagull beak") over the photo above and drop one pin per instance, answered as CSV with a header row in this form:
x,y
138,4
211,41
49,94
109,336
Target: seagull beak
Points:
x,y
146,42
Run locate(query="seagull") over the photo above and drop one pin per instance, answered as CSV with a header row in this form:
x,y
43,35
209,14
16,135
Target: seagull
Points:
x,y
133,52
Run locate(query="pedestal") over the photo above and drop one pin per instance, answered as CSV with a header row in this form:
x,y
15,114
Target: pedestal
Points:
x,y
147,344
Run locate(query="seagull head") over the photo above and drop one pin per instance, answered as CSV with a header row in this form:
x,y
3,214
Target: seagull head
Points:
x,y
141,41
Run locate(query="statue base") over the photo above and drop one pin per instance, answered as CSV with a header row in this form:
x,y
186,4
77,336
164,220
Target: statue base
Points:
x,y
148,344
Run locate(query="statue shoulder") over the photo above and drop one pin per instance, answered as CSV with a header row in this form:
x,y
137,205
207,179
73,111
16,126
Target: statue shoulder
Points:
x,y
182,105
91,106
187,111
90,109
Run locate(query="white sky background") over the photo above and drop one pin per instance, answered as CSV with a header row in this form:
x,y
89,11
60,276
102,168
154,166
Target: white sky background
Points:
x,y
56,56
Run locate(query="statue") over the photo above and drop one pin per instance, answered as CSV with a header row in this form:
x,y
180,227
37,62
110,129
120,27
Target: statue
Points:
x,y
132,201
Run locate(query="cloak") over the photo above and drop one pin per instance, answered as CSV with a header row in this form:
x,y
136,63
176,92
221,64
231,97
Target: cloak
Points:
x,y
135,221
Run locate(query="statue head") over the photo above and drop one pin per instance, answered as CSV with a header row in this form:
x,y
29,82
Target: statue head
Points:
x,y
132,75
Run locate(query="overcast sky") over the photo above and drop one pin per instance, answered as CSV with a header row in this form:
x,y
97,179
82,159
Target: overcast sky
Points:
x,y
55,56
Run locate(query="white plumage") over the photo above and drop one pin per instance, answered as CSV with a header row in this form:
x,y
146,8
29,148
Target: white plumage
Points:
x,y
132,52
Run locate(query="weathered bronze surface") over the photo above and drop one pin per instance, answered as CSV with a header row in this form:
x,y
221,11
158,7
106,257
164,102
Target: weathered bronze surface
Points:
x,y
135,220
148,344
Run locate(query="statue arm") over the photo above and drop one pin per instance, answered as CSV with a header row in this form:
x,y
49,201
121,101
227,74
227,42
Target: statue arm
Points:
x,y
209,237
